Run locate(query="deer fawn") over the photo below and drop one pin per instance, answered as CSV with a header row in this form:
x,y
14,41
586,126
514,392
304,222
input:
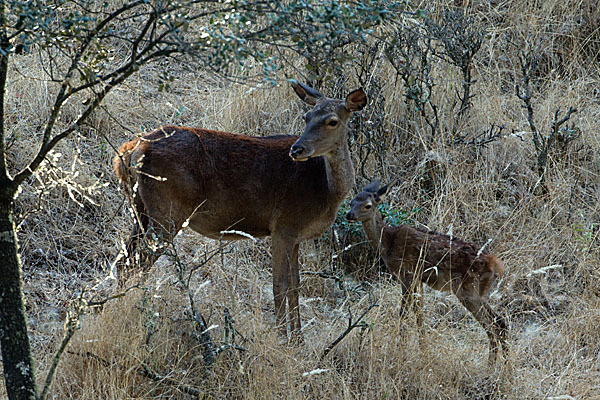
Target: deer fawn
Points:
x,y
444,263
220,181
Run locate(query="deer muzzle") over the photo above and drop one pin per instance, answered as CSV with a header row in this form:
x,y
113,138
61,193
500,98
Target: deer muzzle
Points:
x,y
299,153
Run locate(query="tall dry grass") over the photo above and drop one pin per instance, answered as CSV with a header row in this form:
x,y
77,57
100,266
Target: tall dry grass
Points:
x,y
72,219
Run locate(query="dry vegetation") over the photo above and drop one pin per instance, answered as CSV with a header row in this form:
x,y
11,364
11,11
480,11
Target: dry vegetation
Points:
x,y
72,218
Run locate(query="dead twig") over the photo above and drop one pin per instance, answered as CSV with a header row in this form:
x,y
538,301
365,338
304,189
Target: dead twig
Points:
x,y
145,371
99,303
490,135
209,353
358,323
72,324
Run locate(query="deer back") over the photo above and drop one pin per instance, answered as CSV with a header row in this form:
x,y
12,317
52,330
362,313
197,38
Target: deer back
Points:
x,y
227,181
442,262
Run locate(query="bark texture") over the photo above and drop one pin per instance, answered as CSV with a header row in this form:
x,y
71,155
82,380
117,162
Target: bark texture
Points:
x,y
14,342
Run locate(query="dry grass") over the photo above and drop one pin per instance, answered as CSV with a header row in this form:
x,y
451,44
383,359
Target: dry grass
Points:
x,y
72,220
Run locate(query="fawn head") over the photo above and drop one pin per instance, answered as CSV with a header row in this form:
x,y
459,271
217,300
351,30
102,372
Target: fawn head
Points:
x,y
364,205
326,123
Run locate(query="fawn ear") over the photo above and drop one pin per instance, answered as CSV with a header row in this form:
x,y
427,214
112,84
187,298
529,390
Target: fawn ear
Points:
x,y
306,93
382,190
372,187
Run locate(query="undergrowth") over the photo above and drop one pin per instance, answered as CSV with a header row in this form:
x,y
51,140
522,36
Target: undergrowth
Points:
x,y
454,174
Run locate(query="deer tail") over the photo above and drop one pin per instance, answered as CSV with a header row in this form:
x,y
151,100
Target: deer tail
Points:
x,y
495,269
124,169
496,265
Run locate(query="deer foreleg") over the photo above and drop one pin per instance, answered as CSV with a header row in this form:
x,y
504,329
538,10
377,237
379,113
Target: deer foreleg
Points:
x,y
281,279
293,296
410,286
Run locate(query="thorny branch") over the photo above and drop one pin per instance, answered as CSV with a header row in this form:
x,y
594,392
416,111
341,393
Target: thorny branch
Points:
x,y
528,62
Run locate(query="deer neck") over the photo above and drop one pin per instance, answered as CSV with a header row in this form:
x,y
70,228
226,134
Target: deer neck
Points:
x,y
340,172
375,228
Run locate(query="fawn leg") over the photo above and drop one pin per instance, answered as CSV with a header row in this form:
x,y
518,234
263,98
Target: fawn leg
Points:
x,y
493,324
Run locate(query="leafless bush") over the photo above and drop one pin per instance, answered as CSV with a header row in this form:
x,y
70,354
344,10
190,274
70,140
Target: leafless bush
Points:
x,y
453,37
557,136
369,138
410,53
461,37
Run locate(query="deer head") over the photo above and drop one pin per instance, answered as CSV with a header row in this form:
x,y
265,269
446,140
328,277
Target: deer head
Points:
x,y
326,123
364,205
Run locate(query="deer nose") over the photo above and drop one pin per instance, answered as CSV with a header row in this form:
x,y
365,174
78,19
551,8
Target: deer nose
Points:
x,y
350,216
296,151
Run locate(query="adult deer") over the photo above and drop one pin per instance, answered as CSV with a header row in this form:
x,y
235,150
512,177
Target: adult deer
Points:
x,y
444,263
219,181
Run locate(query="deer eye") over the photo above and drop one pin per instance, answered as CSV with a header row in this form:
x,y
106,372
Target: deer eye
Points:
x,y
368,206
333,122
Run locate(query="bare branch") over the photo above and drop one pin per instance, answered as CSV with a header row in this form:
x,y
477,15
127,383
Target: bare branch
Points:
x,y
49,144
71,326
65,91
122,293
556,124
490,135
146,371
359,323
528,62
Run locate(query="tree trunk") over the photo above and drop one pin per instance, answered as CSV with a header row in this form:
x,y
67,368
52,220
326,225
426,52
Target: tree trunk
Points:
x,y
16,353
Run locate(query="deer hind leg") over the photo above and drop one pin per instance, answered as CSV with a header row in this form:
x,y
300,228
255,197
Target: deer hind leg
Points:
x,y
500,329
146,244
156,222
129,260
494,325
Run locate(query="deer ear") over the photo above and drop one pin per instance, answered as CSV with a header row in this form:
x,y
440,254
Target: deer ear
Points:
x,y
372,187
356,100
306,93
381,192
